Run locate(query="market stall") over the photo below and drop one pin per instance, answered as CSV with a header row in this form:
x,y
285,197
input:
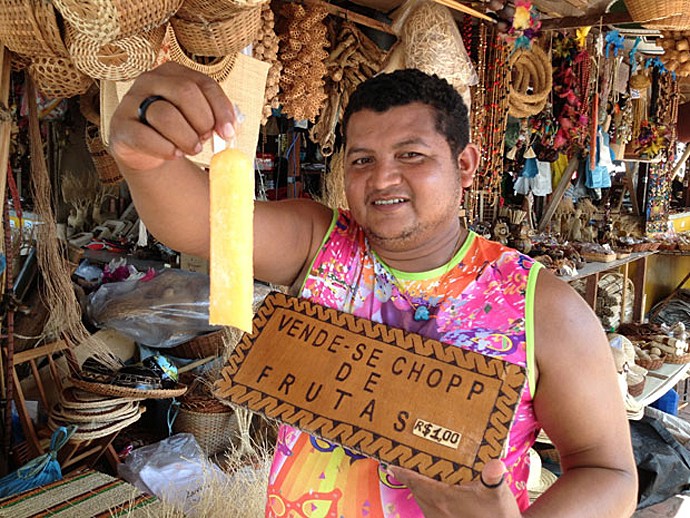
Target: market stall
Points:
x,y
577,108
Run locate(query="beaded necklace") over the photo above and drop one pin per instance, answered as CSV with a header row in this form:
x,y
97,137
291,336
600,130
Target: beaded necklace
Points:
x,y
386,280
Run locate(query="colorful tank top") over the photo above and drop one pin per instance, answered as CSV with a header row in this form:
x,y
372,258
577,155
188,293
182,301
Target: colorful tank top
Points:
x,y
481,300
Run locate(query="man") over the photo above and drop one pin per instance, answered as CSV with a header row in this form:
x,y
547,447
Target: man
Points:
x,y
400,257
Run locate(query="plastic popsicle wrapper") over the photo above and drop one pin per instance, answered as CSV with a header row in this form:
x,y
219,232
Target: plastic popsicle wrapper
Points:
x,y
232,237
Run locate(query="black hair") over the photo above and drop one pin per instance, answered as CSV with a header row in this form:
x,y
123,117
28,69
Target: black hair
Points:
x,y
402,87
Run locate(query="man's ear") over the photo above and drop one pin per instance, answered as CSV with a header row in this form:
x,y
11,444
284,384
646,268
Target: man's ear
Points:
x,y
468,161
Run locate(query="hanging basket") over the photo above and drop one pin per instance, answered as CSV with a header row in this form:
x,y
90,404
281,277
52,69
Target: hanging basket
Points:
x,y
106,167
674,23
655,10
119,60
212,10
218,70
58,78
31,28
218,38
104,21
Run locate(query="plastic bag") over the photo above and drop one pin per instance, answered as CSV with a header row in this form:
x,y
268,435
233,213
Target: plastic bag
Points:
x,y
175,469
40,471
163,312
663,464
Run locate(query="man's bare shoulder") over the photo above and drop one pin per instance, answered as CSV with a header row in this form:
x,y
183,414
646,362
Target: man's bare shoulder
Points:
x,y
565,326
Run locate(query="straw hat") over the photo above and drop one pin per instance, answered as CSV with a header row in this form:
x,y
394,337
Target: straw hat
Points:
x,y
244,85
107,389
540,479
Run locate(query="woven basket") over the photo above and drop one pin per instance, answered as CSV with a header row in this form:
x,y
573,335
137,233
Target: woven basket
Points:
x,y
58,78
210,344
651,365
30,28
218,38
652,10
219,70
637,389
89,104
214,431
212,10
119,60
104,21
106,167
672,358
673,23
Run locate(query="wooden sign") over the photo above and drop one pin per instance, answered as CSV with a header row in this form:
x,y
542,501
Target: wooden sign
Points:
x,y
386,393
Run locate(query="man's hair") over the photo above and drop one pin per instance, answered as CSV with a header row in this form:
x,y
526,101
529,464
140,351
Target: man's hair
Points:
x,y
402,87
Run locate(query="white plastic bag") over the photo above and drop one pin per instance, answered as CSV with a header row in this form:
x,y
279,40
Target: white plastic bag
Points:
x,y
175,469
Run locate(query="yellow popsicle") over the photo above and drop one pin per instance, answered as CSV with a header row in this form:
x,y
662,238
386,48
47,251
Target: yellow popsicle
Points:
x,y
232,239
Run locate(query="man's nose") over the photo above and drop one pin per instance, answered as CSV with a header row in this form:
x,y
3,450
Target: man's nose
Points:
x,y
385,173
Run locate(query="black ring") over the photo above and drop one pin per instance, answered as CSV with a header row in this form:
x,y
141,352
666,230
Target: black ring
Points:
x,y
492,486
145,106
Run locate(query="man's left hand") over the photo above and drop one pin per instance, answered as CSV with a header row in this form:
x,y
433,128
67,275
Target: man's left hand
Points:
x,y
438,500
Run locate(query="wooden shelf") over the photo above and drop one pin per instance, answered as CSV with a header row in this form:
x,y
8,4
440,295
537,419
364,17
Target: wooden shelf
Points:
x,y
661,381
590,272
594,268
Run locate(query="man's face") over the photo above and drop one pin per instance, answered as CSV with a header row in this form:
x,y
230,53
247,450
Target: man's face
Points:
x,y
402,183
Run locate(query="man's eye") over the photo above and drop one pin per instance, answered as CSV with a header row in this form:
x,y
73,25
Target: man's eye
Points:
x,y
410,154
361,161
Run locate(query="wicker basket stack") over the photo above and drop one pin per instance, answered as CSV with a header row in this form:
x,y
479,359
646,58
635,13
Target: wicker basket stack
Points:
x,y
115,39
31,29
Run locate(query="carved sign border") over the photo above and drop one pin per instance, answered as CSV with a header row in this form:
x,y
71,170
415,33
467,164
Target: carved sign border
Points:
x,y
512,380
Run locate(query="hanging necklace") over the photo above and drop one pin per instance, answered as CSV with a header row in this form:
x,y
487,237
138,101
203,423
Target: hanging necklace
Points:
x,y
422,308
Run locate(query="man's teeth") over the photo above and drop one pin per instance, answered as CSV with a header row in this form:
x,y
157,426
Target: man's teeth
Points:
x,y
389,202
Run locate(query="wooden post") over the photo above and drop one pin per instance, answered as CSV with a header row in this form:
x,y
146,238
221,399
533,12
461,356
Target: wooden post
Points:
x,y
557,195
5,119
639,281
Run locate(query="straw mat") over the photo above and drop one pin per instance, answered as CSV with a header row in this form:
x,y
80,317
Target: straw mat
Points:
x,y
88,493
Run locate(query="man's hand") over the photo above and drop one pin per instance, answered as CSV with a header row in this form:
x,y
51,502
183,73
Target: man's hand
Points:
x,y
438,500
180,109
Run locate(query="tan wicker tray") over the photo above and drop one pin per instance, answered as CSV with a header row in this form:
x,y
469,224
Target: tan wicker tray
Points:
x,y
128,392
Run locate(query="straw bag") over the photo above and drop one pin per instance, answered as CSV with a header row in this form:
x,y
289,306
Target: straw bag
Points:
x,y
30,28
219,38
106,167
58,78
653,10
212,10
106,20
118,60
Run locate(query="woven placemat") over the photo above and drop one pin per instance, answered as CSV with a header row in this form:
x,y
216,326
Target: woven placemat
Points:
x,y
128,392
87,493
